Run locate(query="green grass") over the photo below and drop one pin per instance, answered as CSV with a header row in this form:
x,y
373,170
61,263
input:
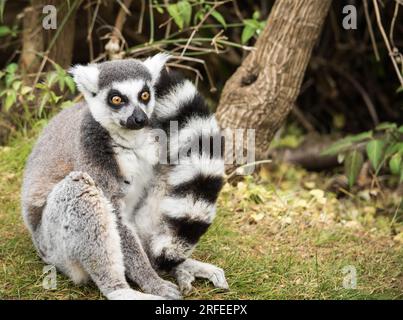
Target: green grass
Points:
x,y
274,238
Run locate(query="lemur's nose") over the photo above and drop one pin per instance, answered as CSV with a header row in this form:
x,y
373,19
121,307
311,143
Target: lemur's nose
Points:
x,y
137,120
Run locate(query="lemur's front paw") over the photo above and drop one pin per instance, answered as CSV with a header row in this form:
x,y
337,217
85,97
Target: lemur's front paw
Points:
x,y
165,289
184,279
85,177
217,276
186,273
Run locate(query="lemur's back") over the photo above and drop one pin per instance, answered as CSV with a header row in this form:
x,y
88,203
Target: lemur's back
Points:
x,y
52,158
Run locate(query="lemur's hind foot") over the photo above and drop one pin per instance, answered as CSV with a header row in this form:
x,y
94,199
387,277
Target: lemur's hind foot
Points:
x,y
186,272
85,236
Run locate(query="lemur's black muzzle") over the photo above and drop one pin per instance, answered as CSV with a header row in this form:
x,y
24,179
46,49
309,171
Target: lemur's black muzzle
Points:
x,y
137,120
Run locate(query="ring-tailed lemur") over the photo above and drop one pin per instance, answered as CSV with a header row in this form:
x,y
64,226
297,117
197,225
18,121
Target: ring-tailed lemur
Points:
x,y
97,200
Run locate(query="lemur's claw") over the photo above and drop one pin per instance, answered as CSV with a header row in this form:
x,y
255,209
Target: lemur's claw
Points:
x,y
217,277
165,289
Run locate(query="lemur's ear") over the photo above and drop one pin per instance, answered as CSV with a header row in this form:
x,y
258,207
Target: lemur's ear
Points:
x,y
86,78
156,63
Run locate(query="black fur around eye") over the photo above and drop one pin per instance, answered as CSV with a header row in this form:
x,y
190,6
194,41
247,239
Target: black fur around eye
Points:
x,y
116,99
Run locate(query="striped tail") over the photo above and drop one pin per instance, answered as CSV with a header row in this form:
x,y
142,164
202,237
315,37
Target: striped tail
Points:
x,y
194,176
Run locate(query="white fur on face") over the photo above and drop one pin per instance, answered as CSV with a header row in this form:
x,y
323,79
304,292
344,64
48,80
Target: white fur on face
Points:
x,y
110,119
132,88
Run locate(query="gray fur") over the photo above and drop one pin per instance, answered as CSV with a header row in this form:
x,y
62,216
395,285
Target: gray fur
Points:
x,y
121,70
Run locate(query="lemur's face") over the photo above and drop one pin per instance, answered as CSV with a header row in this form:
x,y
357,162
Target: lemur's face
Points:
x,y
126,104
120,93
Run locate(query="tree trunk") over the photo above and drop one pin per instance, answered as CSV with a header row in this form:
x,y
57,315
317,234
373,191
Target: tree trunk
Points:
x,y
37,40
262,91
32,42
61,50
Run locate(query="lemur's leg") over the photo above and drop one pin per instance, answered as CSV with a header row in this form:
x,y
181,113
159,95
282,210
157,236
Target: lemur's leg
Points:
x,y
78,235
186,272
139,269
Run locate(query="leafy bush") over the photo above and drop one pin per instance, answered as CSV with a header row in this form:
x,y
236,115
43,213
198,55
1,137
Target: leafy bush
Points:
x,y
24,104
383,147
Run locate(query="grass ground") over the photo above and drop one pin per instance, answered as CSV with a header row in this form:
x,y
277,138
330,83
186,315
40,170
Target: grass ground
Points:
x,y
277,236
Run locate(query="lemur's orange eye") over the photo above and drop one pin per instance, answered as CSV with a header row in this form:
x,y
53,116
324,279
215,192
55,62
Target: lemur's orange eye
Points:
x,y
116,100
145,95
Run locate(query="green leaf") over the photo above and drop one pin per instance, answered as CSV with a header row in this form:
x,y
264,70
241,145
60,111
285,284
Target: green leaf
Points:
x,y
399,147
25,90
158,7
5,31
198,16
219,18
41,86
386,126
252,23
256,15
70,84
174,13
360,137
247,34
54,98
375,152
51,78
352,165
11,98
9,79
44,101
394,148
337,147
16,85
59,69
395,163
12,68
185,10
61,83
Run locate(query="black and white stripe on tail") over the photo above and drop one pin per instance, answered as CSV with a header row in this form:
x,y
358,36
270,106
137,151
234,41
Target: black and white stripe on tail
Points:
x,y
193,182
